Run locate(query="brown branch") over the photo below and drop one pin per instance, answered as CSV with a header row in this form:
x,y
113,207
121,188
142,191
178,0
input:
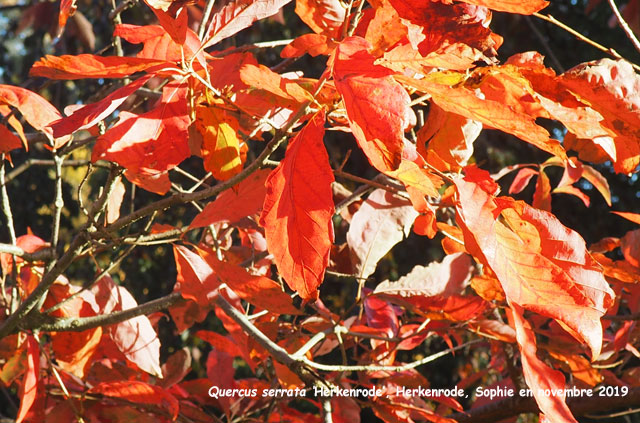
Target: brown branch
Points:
x,y
79,324
40,255
625,26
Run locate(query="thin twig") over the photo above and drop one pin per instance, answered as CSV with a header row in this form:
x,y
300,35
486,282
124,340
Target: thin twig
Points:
x,y
58,203
205,19
79,324
625,26
40,255
545,44
581,37
6,205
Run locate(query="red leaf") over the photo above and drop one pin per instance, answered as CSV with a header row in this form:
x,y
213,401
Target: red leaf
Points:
x,y
538,375
67,8
527,7
382,221
598,181
542,265
197,280
176,26
238,15
378,126
149,144
521,180
28,389
258,290
8,140
87,116
139,393
220,342
135,337
243,200
298,209
35,109
381,315
92,66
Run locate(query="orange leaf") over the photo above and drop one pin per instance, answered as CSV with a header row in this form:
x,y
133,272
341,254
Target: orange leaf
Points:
x,y
261,77
538,375
521,180
542,194
238,15
243,200
314,44
542,265
28,389
298,209
630,246
611,89
196,278
8,140
139,393
323,16
67,9
633,217
258,290
92,66
377,126
90,114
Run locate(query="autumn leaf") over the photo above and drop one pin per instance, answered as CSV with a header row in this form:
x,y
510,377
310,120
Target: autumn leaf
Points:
x,y
221,145
197,280
135,337
139,392
377,126
149,144
258,290
10,141
29,387
323,16
92,66
313,44
67,9
90,114
382,221
243,200
542,265
538,375
34,108
298,209
238,15
448,277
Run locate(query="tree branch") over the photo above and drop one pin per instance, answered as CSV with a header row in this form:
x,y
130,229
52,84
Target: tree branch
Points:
x,y
40,255
625,26
79,324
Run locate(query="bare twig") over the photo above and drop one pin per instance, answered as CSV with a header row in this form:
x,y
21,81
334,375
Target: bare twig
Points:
x,y
625,26
40,255
581,37
6,205
205,19
79,324
58,203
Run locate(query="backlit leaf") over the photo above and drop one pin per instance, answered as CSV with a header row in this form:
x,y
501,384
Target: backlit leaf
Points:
x,y
139,392
382,221
135,337
29,387
526,7
377,126
298,209
197,280
92,66
243,200
322,16
238,15
542,265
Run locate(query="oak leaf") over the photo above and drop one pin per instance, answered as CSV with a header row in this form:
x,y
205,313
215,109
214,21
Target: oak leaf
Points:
x,y
298,209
